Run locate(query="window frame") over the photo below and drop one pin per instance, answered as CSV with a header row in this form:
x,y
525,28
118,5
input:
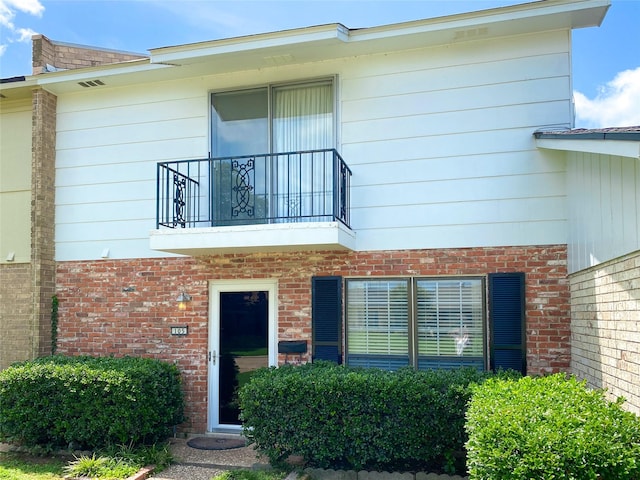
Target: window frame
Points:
x,y
412,312
270,87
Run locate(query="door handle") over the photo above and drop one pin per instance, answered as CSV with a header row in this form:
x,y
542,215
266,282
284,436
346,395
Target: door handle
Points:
x,y
212,357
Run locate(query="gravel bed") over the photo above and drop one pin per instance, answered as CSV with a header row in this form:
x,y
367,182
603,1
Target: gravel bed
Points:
x,y
195,464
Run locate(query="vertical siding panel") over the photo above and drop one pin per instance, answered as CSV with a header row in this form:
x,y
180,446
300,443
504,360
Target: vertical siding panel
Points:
x,y
604,201
628,200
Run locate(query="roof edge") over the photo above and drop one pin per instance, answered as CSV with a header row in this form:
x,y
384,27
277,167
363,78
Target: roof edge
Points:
x,y
610,133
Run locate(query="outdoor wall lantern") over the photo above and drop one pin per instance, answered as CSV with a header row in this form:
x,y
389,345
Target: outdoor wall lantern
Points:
x,y
182,300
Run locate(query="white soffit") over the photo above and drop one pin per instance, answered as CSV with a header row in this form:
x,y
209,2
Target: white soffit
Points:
x,y
620,148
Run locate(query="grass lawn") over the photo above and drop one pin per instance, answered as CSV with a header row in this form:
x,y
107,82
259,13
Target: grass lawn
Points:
x,y
17,467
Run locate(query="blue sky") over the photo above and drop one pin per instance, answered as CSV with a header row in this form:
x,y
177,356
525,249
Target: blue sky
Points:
x,y
606,60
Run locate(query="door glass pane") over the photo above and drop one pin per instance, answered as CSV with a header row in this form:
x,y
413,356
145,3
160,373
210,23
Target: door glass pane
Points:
x,y
240,123
240,126
243,347
302,121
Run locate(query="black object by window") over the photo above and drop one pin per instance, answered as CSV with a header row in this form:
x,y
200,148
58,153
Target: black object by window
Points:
x,y
326,318
507,320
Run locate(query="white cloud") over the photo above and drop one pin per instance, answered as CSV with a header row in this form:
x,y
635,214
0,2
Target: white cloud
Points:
x,y
616,105
32,7
8,10
25,34
6,16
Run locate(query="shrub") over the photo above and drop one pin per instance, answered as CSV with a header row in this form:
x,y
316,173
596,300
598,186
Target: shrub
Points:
x,y
243,474
100,467
89,402
339,417
549,428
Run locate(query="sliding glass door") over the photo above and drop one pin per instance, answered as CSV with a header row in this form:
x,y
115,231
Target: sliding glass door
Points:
x,y
273,129
302,121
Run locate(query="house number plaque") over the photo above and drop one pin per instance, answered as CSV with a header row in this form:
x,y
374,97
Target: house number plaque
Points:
x,y
179,331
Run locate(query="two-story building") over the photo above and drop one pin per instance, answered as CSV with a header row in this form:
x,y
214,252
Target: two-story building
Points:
x,y
373,197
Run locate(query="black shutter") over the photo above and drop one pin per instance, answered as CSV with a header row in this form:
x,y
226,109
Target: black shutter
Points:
x,y
326,318
507,321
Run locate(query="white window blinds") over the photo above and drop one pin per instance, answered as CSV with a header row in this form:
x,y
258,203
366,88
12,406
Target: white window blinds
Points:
x,y
449,317
378,317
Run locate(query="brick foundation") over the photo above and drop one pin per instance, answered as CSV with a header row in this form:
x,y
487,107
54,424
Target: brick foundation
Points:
x,y
16,314
125,307
43,172
26,289
604,324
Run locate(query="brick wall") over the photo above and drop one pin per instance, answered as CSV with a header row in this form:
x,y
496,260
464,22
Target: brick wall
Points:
x,y
605,321
16,314
69,56
127,306
43,215
26,289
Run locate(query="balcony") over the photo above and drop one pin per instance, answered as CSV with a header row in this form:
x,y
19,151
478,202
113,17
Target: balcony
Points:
x,y
254,203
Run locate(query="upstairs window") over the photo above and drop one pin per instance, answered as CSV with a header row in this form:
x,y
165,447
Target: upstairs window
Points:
x,y
272,150
276,119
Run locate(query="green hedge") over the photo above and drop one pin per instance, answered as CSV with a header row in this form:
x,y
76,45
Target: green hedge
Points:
x,y
89,402
337,417
549,428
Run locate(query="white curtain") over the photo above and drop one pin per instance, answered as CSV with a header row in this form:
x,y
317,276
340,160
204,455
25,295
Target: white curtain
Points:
x,y
302,121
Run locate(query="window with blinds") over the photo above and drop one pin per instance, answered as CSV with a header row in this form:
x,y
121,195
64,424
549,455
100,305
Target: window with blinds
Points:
x,y
425,322
450,323
378,323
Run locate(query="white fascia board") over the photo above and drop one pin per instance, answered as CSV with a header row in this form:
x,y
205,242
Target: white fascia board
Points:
x,y
535,16
117,74
88,73
67,80
541,15
184,54
620,148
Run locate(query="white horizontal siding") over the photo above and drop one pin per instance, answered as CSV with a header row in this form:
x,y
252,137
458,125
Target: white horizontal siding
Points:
x,y
462,213
489,62
108,144
148,132
604,208
432,169
456,99
121,248
439,141
452,146
463,236
109,211
455,191
441,149
485,119
106,192
160,150
101,230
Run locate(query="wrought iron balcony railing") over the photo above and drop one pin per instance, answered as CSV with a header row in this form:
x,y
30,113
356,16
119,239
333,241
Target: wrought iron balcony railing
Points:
x,y
253,189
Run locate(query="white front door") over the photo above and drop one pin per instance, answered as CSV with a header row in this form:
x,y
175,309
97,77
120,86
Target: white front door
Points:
x,y
242,338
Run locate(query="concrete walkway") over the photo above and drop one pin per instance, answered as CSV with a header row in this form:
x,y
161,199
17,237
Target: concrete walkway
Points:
x,y
195,464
